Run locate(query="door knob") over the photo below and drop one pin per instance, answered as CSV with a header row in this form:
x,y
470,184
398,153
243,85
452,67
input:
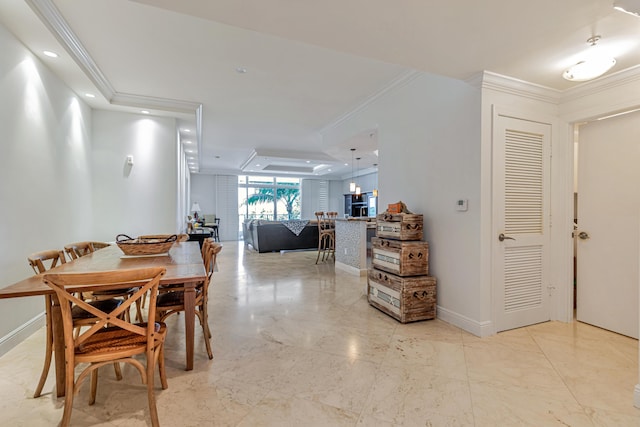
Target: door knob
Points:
x,y
583,235
502,237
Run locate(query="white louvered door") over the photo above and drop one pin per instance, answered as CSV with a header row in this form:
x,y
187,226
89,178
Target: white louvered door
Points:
x,y
521,222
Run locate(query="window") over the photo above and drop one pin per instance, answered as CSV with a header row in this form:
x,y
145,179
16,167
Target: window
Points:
x,y
269,198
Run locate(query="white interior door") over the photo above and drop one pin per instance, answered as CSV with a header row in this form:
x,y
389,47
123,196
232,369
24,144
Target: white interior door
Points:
x,y
608,209
521,173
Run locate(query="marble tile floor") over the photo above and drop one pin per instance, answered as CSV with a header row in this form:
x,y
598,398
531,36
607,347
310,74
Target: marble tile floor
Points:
x,y
296,344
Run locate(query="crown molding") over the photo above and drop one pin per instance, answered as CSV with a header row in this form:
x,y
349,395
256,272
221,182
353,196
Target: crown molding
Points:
x,y
498,82
611,81
402,79
55,22
165,104
58,26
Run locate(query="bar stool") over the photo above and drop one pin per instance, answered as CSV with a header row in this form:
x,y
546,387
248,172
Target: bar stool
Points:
x,y
326,235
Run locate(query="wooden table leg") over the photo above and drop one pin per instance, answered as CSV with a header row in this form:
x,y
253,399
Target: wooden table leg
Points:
x,y
189,320
58,346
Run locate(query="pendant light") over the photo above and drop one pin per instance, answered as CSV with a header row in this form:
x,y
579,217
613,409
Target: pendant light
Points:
x,y
375,190
352,184
358,189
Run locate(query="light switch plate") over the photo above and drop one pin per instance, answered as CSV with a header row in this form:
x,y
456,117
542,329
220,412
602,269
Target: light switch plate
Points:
x,y
462,205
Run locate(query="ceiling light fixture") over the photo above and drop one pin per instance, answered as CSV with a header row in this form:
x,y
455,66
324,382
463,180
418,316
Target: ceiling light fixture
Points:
x,y
352,184
595,65
50,54
632,7
144,112
241,70
358,189
89,95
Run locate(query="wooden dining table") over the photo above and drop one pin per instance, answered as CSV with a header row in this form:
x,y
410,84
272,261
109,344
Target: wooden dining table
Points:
x,y
183,263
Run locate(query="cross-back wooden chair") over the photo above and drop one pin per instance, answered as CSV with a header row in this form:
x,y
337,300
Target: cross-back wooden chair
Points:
x,y
38,261
172,301
112,338
99,245
80,249
326,234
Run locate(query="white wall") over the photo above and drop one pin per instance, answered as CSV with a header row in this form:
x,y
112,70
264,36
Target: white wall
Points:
x,y
314,197
429,156
218,194
138,199
45,179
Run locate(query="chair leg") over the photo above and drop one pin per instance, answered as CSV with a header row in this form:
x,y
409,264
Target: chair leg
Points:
x,y
94,386
49,347
205,327
163,373
138,311
319,247
118,371
68,398
153,410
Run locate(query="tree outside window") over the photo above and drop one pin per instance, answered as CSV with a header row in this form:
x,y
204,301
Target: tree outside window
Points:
x,y
269,198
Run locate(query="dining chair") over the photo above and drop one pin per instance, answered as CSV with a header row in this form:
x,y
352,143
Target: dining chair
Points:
x,y
181,238
112,338
171,301
100,245
326,235
38,261
80,249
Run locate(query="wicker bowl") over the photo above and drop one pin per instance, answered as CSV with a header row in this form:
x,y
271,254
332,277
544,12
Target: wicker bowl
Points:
x,y
145,245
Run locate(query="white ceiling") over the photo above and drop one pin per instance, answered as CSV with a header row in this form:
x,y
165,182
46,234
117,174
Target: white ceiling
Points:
x,y
307,62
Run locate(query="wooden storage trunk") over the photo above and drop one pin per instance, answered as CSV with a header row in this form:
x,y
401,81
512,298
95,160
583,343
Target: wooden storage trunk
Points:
x,y
400,226
406,299
404,258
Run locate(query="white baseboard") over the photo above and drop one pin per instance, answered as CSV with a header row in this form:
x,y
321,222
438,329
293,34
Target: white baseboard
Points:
x,y
636,396
21,333
351,269
479,329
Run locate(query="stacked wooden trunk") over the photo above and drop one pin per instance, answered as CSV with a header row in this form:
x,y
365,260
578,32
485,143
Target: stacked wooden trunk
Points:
x,y
399,283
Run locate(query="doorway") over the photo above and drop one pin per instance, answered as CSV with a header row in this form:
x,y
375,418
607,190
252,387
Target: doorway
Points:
x,y
607,232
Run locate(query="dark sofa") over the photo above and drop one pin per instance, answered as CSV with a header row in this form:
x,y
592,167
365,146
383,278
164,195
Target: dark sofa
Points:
x,y
273,236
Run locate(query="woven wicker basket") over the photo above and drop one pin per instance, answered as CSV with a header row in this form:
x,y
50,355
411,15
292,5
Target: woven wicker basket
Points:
x,y
145,245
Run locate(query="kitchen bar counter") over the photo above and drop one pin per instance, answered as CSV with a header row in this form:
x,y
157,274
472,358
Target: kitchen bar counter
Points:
x,y
351,243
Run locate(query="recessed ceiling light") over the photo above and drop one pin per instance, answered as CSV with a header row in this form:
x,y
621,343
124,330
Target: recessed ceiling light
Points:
x,y
241,70
187,141
144,112
89,95
50,54
258,165
308,161
190,151
187,130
